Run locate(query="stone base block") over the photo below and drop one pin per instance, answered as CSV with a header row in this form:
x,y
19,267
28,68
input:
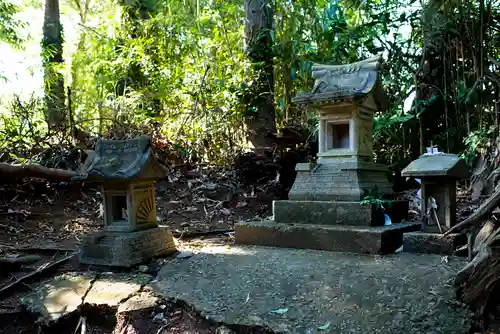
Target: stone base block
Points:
x,y
337,213
339,179
127,249
429,243
342,238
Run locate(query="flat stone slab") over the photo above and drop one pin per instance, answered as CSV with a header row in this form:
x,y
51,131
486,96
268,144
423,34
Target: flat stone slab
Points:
x,y
63,295
295,290
429,243
66,293
342,238
111,289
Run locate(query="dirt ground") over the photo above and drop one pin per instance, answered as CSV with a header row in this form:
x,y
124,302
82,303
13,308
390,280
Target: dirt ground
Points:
x,y
45,223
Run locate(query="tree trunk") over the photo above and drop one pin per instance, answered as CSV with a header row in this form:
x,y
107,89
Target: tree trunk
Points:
x,y
52,48
259,113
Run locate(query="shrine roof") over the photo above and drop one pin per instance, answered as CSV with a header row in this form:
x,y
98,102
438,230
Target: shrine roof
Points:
x,y
122,160
439,164
349,83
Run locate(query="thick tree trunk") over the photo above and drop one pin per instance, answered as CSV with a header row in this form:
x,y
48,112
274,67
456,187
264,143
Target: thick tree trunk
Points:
x,y
478,283
52,48
260,114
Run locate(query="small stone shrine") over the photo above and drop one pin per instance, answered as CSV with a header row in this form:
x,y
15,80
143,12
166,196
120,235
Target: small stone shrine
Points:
x,y
127,171
325,209
439,174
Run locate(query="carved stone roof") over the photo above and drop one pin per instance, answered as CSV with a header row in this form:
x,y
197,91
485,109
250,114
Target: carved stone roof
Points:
x,y
345,83
122,160
439,164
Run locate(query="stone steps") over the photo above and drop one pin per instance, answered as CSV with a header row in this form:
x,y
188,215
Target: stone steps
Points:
x,y
342,238
430,243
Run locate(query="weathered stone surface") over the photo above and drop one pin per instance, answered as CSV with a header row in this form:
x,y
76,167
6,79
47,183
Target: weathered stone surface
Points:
x,y
439,164
343,238
340,179
322,213
336,213
402,293
337,82
111,289
130,159
58,297
428,243
145,300
127,249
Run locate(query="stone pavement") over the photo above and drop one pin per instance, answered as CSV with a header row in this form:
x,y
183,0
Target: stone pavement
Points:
x,y
308,291
285,290
66,293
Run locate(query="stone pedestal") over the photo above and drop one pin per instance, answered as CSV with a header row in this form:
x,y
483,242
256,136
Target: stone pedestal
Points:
x,y
338,179
127,249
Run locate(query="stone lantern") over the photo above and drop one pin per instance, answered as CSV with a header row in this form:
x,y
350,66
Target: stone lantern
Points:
x,y
127,171
325,209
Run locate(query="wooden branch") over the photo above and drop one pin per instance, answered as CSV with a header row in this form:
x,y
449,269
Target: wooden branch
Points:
x,y
482,212
4,289
10,171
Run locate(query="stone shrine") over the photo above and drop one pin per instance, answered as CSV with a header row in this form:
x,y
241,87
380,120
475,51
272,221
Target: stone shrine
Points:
x,y
325,209
439,174
127,171
438,204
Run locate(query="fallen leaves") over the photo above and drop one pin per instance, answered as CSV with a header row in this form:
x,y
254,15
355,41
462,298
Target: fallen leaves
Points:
x,y
279,311
324,327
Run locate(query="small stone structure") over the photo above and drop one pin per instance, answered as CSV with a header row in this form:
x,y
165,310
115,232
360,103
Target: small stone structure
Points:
x,y
127,171
325,209
439,174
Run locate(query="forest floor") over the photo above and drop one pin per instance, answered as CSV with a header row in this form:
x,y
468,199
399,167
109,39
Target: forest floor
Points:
x,y
45,223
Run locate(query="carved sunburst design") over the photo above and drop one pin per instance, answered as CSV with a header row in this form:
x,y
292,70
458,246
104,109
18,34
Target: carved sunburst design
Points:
x,y
146,209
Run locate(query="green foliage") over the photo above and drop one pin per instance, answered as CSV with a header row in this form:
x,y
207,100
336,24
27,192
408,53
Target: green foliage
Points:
x,y
22,128
374,197
178,69
9,25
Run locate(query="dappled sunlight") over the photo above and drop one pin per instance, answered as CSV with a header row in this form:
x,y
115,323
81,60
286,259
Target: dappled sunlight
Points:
x,y
227,250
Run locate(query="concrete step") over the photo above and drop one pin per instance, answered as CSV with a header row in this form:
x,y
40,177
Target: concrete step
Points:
x,y
337,213
430,243
342,238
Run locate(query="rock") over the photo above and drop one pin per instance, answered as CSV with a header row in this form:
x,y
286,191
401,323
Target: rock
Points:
x,y
184,255
111,289
143,268
139,302
160,317
224,330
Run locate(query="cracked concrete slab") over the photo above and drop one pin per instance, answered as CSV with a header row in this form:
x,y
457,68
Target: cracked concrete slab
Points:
x,y
308,291
144,300
59,297
111,289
